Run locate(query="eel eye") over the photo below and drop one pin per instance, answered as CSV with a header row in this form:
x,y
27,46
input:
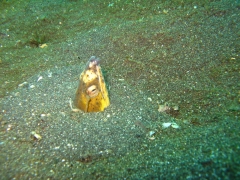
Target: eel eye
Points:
x,y
92,91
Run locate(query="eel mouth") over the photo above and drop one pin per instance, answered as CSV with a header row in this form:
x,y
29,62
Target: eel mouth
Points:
x,y
93,62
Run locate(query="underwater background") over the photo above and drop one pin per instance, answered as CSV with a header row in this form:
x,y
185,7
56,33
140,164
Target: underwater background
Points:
x,y
172,72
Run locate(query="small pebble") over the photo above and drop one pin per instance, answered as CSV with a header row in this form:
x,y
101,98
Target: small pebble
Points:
x,y
151,133
166,125
175,126
36,136
163,108
40,77
23,84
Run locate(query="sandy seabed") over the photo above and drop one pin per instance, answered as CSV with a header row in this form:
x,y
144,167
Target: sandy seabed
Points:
x,y
187,64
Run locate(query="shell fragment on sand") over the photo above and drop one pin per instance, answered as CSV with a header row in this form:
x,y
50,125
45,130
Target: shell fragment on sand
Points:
x,y
172,124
